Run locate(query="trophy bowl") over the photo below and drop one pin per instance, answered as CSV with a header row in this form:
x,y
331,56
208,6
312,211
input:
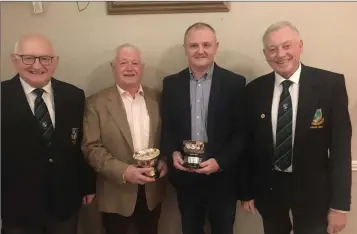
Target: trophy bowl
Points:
x,y
193,153
148,158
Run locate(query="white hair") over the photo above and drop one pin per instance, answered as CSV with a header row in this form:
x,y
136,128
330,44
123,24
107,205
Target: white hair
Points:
x,y
124,46
16,48
278,25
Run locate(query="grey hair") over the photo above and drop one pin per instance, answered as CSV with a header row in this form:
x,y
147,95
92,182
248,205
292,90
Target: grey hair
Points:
x,y
124,46
278,25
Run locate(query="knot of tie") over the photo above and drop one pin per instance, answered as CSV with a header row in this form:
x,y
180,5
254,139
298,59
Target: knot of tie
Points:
x,y
286,84
38,92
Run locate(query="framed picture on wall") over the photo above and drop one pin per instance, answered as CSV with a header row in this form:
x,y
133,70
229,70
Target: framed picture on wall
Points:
x,y
129,7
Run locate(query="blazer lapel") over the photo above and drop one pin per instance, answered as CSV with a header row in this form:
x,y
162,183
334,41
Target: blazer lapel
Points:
x,y
59,98
185,100
213,100
265,112
116,108
22,107
308,98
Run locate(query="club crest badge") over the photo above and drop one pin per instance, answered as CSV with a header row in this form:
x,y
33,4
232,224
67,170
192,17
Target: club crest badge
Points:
x,y
318,120
74,135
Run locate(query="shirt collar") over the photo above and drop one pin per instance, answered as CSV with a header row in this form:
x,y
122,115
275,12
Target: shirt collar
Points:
x,y
295,78
122,92
208,75
28,88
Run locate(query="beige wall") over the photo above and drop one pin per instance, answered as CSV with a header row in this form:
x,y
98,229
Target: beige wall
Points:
x,y
85,42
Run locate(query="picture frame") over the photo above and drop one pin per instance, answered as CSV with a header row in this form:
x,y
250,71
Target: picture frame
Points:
x,y
165,7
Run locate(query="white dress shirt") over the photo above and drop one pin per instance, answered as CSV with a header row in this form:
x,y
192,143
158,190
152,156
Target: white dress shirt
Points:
x,y
47,97
294,93
138,117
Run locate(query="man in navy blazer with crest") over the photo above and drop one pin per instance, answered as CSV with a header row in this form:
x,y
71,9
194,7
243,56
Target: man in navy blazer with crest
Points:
x,y
300,142
44,178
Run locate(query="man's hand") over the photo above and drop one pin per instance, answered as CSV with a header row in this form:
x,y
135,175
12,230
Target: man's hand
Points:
x,y
88,199
248,206
162,168
178,161
136,175
208,167
336,221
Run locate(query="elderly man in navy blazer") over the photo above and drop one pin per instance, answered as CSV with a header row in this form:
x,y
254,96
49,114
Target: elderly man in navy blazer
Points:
x,y
300,141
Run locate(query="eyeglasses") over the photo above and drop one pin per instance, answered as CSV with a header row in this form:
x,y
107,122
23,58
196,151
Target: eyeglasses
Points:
x,y
30,59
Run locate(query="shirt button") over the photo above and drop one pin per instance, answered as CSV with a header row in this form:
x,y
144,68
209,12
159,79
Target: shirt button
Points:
x,y
199,84
198,134
50,160
198,117
198,100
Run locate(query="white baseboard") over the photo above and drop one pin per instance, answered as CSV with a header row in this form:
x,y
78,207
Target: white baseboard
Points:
x,y
354,165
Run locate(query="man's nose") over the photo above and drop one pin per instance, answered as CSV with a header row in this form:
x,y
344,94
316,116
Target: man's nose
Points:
x,y
201,49
281,52
130,66
37,64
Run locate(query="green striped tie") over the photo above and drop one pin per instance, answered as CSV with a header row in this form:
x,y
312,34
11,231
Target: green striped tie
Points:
x,y
43,116
283,146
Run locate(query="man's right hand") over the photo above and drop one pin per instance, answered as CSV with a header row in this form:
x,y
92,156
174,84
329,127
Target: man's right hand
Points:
x,y
136,175
249,206
178,161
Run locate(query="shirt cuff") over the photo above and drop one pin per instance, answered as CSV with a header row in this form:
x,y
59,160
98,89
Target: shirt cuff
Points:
x,y
341,211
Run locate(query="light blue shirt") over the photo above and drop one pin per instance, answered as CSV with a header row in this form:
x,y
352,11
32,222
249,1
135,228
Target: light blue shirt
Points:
x,y
199,96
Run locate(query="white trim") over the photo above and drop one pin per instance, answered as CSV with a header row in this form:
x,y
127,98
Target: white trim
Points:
x,y
354,165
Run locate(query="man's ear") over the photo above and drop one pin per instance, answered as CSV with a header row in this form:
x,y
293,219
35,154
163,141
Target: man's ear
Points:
x,y
264,51
13,57
13,61
301,45
56,60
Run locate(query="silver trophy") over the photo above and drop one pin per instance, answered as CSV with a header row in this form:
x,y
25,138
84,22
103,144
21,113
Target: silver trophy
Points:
x,y
148,158
193,153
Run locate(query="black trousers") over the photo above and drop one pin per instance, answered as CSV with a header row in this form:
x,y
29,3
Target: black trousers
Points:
x,y
146,221
219,202
275,205
51,226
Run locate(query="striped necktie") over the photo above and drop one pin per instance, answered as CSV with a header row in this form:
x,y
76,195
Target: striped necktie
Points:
x,y
283,145
43,116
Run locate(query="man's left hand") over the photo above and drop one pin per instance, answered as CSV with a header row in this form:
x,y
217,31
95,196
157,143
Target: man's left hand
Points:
x,y
88,199
208,167
162,167
336,221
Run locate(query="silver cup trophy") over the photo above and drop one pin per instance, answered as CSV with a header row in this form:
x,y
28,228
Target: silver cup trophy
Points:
x,y
193,153
148,158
